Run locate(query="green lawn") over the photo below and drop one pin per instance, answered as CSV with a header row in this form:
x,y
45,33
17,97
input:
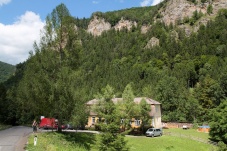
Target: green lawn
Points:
x,y
189,132
53,141
166,143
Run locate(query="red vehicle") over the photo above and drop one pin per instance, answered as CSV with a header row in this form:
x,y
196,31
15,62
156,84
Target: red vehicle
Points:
x,y
48,123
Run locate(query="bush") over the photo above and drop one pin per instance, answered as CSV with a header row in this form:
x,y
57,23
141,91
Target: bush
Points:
x,y
91,128
222,146
195,125
209,9
97,127
136,132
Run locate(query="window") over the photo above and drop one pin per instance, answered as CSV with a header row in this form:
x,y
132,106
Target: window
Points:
x,y
93,120
137,122
156,109
100,119
122,120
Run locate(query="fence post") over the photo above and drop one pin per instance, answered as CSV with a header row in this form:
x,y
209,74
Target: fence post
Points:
x,y
35,140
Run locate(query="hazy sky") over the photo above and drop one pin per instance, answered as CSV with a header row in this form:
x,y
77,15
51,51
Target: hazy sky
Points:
x,y
22,20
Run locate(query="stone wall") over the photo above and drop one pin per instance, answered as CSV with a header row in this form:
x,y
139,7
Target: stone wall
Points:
x,y
176,125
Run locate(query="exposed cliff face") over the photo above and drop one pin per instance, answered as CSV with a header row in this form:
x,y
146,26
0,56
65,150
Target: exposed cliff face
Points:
x,y
179,9
176,10
145,28
219,4
152,42
97,26
125,24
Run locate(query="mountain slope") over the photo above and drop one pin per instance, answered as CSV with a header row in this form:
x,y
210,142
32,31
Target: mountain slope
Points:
x,y
186,73
6,70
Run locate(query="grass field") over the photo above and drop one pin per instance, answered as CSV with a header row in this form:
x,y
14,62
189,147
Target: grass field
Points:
x,y
53,141
189,132
166,143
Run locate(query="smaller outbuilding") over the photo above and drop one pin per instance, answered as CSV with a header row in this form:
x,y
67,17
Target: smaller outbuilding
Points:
x,y
204,128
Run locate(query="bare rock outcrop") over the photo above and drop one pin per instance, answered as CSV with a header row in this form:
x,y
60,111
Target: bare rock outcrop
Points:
x,y
174,35
152,42
174,11
145,28
97,26
179,9
218,4
187,28
125,24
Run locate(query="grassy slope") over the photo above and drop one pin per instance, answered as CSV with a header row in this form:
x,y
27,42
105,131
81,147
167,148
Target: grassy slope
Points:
x,y
164,143
83,141
52,141
189,132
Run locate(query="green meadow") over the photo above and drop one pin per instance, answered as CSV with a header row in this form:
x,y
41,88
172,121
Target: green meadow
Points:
x,y
172,140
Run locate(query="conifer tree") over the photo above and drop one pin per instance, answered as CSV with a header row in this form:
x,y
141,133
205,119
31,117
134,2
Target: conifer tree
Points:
x,y
218,123
110,138
126,108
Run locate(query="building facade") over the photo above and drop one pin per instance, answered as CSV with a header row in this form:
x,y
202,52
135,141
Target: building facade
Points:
x,y
155,112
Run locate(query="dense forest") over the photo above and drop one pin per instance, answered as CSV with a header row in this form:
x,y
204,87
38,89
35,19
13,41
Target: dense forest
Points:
x,y
6,70
187,74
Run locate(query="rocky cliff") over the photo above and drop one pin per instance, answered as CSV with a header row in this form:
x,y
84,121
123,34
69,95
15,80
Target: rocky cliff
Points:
x,y
177,10
97,26
174,11
125,24
152,42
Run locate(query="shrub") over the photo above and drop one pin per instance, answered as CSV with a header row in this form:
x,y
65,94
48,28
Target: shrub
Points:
x,y
222,146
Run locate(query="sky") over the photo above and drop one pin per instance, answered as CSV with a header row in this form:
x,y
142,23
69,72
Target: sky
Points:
x,y
22,20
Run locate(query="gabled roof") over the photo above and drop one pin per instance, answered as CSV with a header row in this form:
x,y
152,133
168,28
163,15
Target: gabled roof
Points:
x,y
136,100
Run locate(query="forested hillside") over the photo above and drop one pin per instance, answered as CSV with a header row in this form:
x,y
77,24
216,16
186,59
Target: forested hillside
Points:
x,y
186,73
6,70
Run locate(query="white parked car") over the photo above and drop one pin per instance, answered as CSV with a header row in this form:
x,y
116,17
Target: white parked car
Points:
x,y
185,127
154,132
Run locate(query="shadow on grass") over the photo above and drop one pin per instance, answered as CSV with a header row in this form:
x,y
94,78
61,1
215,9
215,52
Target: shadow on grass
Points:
x,y
86,140
170,148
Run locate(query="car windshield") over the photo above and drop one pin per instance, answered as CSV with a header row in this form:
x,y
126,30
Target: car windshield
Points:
x,y
150,129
